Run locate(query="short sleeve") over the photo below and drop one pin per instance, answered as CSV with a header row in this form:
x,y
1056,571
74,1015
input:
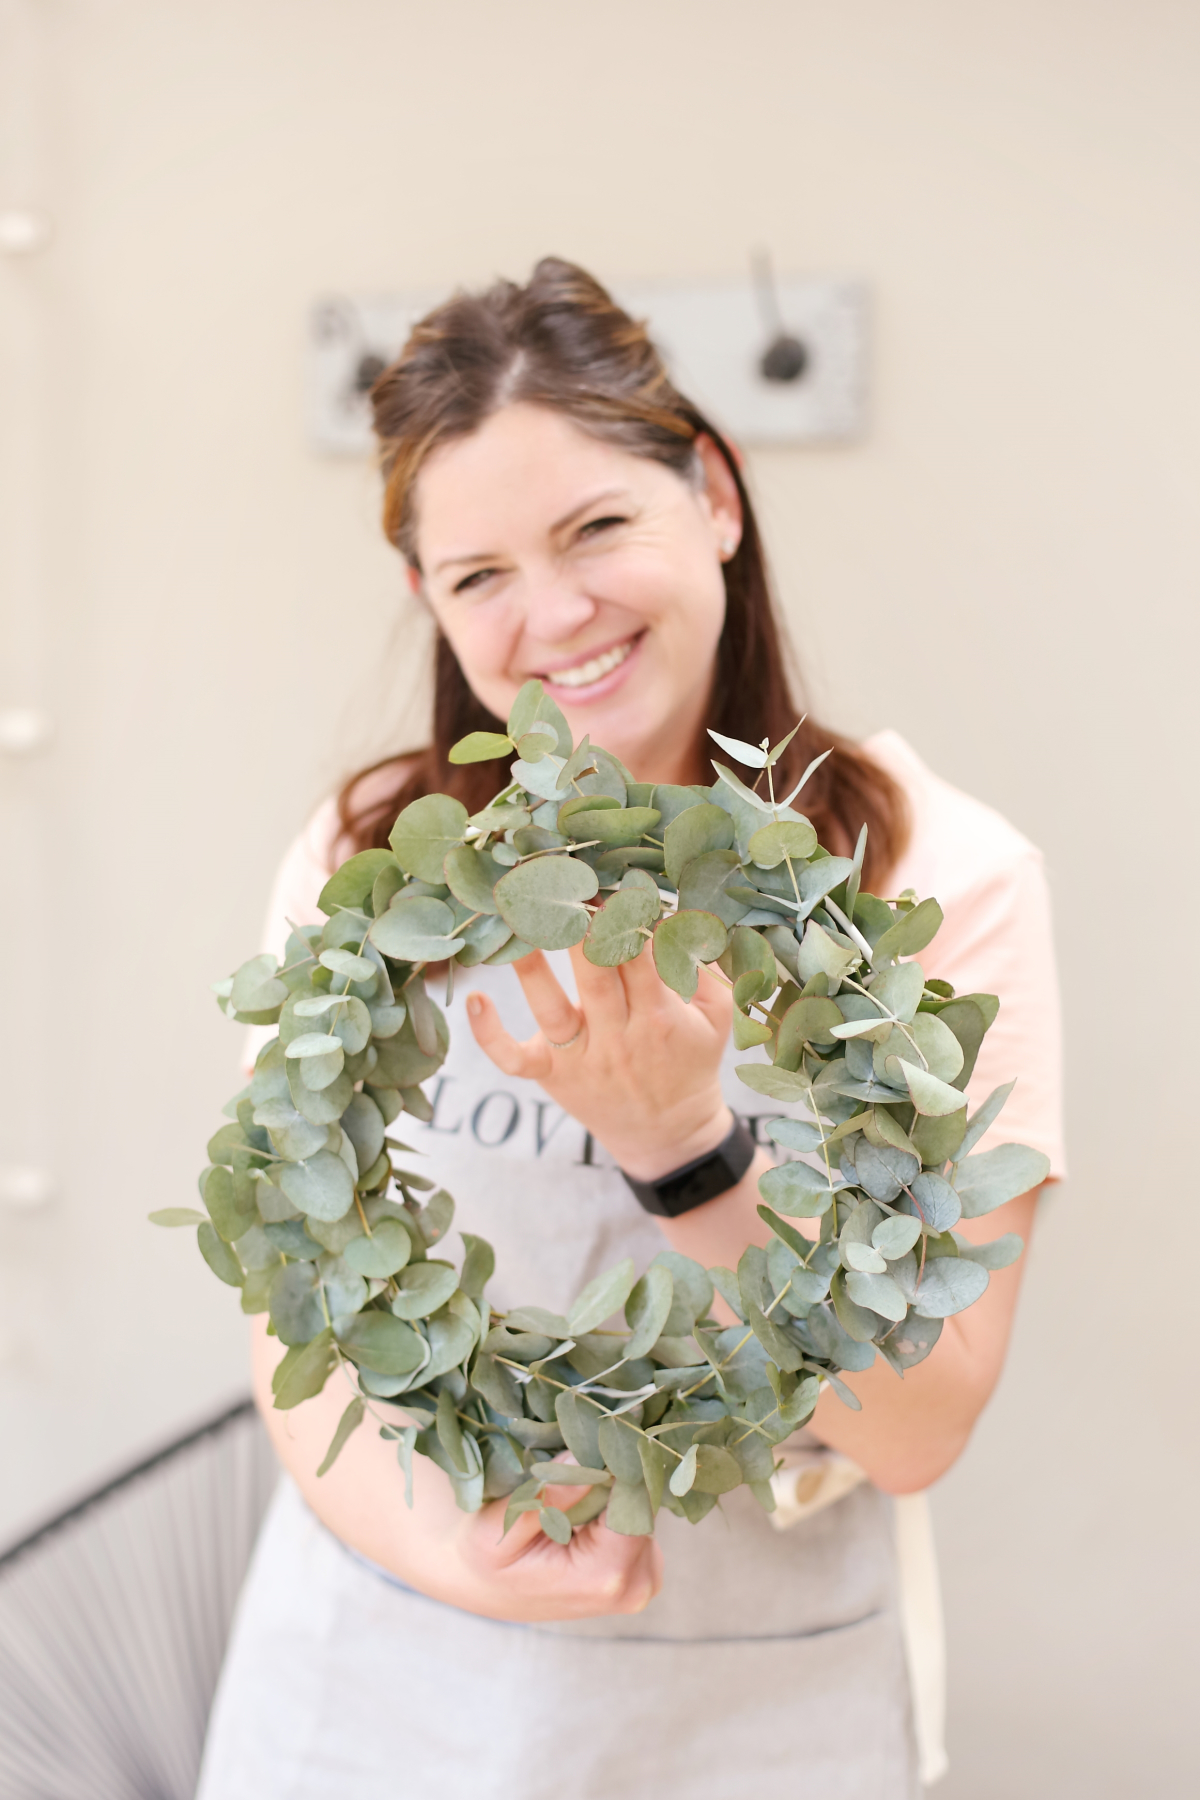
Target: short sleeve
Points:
x,y
997,938
302,874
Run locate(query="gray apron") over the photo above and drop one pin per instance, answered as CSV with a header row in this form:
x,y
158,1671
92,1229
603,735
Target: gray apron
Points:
x,y
767,1654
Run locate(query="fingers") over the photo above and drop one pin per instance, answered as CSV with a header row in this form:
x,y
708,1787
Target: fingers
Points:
x,y
598,1572
644,986
715,1000
557,1017
627,1571
601,993
531,1060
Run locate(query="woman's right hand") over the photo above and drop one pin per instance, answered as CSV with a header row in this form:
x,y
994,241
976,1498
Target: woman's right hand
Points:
x,y
462,1559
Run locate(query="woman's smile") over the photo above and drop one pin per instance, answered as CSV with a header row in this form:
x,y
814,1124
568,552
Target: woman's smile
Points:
x,y
548,552
594,674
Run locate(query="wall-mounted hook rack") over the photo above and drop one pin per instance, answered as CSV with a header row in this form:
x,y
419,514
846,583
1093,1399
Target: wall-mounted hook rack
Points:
x,y
773,360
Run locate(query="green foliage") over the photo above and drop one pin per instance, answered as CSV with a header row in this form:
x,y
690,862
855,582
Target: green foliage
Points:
x,y
310,1212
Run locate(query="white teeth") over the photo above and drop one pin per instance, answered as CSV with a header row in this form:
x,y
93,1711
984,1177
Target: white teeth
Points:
x,y
583,674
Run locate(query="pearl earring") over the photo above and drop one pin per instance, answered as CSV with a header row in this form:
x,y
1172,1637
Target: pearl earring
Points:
x,y
728,547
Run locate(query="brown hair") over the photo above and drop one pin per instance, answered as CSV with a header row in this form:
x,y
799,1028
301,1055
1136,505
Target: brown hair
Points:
x,y
561,342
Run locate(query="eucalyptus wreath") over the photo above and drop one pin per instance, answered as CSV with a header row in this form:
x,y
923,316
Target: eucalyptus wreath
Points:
x,y
311,1214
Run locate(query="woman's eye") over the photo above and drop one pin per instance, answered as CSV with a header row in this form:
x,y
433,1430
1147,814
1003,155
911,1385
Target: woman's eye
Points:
x,y
594,526
475,579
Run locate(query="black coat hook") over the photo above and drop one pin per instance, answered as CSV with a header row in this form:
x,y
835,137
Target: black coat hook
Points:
x,y
786,357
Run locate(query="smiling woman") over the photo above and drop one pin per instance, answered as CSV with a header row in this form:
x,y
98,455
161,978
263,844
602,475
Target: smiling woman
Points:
x,y
570,518
568,514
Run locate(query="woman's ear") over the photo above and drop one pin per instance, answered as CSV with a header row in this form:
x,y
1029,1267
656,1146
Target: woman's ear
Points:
x,y
414,579
721,497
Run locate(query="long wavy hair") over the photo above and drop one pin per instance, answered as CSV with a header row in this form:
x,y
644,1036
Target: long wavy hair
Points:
x,y
562,342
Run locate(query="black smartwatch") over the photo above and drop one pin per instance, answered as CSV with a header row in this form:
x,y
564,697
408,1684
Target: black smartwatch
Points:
x,y
700,1180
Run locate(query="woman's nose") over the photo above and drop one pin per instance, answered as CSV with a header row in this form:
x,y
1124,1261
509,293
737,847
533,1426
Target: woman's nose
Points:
x,y
555,608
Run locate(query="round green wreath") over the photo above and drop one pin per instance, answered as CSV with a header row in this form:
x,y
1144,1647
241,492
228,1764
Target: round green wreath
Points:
x,y
308,1216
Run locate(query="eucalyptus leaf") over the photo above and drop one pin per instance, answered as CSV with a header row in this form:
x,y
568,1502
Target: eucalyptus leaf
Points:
x,y
993,1177
629,1511
601,1298
256,988
480,746
383,1253
753,756
295,1303
692,1292
498,1385
618,931
304,1371
555,1524
532,707
347,964
684,1476
796,1134
478,1267
452,1333
894,1237
820,954
425,833
349,1422
774,1083
965,1020
611,826
351,885
619,1450
932,1097
878,1292
290,1238
422,1288
774,1339
939,1204
230,1198
221,1259
717,1472
700,829
813,1019
898,989
797,1190
984,1118
471,876
542,900
910,934
419,929
322,1186
998,1254
792,839
938,1045
949,1285
378,1341
648,1308
682,943
705,883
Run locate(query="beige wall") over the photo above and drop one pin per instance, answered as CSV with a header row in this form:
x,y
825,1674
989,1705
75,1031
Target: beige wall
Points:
x,y
1006,570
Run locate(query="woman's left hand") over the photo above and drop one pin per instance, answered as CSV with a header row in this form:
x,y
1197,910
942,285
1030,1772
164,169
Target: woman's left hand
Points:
x,y
636,1065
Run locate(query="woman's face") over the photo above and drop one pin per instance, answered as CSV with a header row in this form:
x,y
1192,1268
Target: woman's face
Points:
x,y
546,552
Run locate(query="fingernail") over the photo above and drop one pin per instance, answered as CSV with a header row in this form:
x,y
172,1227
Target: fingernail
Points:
x,y
474,1005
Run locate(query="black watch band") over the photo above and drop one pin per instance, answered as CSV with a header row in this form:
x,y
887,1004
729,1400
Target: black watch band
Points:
x,y
700,1180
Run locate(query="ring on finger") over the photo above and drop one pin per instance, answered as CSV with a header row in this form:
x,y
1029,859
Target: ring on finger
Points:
x,y
570,1041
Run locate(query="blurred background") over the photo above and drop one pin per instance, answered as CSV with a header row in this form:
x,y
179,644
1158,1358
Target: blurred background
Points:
x,y
203,630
